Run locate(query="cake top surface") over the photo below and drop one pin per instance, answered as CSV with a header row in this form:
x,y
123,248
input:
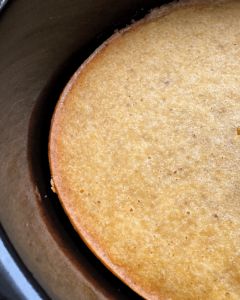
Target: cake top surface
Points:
x,y
144,152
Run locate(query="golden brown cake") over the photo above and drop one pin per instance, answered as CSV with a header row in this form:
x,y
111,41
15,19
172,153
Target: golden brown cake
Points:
x,y
145,152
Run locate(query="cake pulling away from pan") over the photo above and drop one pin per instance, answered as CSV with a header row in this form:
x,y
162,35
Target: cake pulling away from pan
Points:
x,y
145,152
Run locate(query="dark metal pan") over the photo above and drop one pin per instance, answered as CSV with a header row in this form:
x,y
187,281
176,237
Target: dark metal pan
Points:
x,y
41,44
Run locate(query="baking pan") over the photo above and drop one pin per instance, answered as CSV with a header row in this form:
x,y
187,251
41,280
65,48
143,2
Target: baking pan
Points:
x,y
42,43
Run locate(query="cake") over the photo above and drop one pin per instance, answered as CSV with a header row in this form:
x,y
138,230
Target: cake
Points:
x,y
144,152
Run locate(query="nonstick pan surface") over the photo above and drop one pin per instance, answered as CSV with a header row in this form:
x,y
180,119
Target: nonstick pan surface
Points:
x,y
42,43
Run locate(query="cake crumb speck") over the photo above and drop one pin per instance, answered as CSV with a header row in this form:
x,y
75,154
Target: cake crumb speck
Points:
x,y
52,185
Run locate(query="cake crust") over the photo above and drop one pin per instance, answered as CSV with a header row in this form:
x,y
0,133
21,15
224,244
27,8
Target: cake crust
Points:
x,y
145,162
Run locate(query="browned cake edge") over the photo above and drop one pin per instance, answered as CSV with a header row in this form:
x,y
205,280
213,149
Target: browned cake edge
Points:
x,y
91,241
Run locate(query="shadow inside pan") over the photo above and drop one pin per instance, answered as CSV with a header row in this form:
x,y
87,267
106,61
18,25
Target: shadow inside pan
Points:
x,y
51,209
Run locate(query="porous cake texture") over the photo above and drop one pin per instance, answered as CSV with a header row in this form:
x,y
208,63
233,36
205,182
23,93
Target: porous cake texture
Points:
x,y
145,152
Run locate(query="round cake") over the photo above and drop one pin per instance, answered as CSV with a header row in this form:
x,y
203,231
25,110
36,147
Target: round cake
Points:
x,y
145,152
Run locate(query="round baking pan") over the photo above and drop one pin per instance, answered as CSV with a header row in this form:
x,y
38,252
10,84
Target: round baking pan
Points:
x,y
16,282
42,43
